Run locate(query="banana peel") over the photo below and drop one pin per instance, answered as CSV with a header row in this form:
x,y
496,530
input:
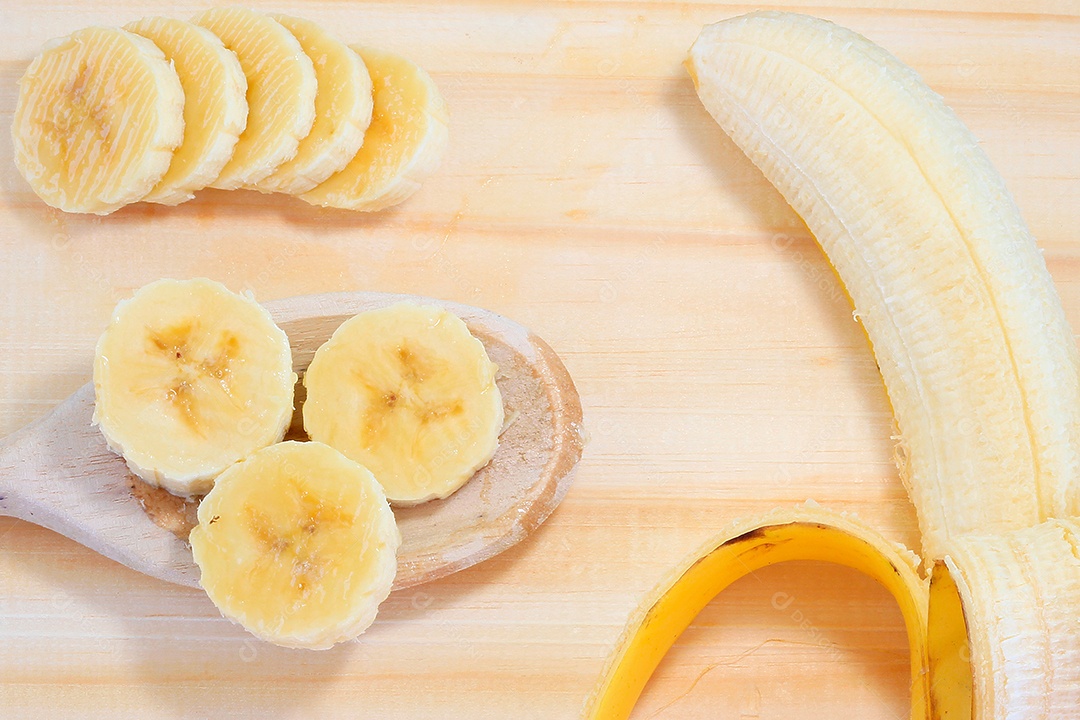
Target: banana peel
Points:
x,y
809,532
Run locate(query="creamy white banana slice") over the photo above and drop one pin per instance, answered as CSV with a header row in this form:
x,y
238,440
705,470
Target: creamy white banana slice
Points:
x,y
298,545
281,89
403,144
98,116
410,394
190,378
215,106
342,111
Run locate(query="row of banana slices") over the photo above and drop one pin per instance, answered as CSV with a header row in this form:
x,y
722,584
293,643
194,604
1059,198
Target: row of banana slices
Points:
x,y
233,99
296,541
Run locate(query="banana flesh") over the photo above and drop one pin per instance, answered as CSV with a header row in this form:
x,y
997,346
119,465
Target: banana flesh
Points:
x,y
403,145
98,116
190,378
342,111
967,328
1004,633
805,533
281,87
410,394
215,106
298,545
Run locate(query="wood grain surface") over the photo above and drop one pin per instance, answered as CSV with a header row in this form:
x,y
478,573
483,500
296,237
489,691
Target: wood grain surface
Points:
x,y
587,195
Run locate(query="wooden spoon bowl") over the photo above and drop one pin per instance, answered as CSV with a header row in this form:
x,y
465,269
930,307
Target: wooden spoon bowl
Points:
x,y
58,472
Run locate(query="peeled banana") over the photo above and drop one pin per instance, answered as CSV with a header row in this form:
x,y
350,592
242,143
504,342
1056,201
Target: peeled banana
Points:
x,y
98,116
298,545
410,394
967,328
342,111
281,89
215,107
190,378
404,143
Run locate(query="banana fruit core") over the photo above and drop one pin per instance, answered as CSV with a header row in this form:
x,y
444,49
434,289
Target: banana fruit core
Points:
x,y
190,378
298,545
409,393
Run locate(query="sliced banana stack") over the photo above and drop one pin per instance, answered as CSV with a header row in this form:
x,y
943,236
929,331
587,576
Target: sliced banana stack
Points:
x,y
410,394
215,106
281,89
342,111
99,115
233,99
298,545
404,143
190,378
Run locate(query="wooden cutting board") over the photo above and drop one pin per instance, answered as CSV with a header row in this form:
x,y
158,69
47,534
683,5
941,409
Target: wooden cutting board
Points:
x,y
587,195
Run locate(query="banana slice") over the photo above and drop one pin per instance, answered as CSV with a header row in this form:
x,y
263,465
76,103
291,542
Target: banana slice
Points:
x,y
215,109
281,90
403,145
298,545
342,111
407,392
190,378
98,117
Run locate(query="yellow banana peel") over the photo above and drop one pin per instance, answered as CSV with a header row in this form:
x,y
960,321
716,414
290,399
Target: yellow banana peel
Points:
x,y
809,532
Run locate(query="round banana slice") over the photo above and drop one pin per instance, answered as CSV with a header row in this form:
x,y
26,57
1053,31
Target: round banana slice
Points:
x,y
410,394
190,378
403,145
281,90
298,545
215,109
98,117
342,111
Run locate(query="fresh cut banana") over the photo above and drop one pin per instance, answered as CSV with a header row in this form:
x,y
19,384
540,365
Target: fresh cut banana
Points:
x,y
215,107
298,545
190,378
281,89
403,144
410,394
98,116
342,111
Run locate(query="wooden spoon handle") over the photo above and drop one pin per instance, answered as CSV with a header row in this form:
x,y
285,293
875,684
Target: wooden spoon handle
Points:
x,y
58,473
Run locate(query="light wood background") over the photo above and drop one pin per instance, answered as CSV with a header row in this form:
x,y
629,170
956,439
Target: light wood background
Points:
x,y
588,195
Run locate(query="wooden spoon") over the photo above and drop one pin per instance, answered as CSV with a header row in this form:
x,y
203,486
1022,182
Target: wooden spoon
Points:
x,y
58,472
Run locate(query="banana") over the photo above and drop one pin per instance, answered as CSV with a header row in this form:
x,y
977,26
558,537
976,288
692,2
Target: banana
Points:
x,y
967,328
805,533
342,111
215,107
1004,639
404,143
298,545
410,394
281,89
98,116
190,378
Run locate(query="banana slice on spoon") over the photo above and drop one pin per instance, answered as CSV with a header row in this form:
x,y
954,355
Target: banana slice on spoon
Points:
x,y
60,474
